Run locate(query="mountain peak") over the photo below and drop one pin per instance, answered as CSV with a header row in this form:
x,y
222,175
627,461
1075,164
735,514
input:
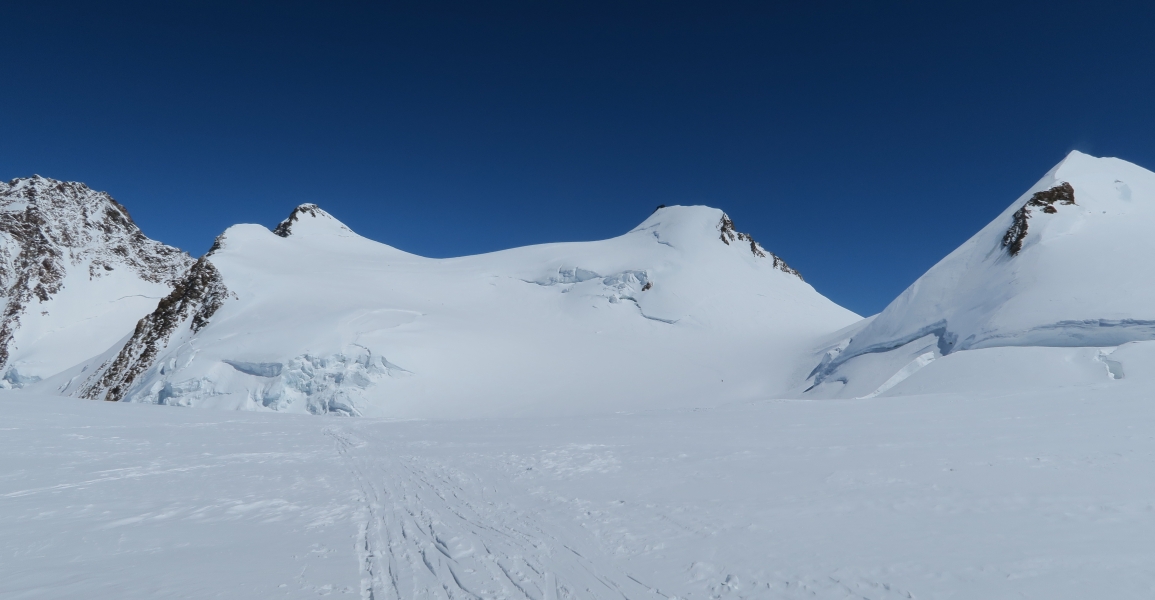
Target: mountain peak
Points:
x,y
60,234
309,217
1057,268
695,225
52,217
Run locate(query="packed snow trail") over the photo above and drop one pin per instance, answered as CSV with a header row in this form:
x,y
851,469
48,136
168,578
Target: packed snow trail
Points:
x,y
429,531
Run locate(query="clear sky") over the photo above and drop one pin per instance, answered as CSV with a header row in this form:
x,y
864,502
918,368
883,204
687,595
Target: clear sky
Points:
x,y
861,141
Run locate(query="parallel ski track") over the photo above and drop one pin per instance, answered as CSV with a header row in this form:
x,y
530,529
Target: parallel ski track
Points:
x,y
426,531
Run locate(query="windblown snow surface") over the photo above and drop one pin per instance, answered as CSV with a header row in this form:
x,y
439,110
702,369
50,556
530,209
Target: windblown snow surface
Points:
x,y
672,413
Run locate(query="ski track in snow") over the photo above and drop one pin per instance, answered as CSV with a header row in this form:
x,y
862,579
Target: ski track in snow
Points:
x,y
427,531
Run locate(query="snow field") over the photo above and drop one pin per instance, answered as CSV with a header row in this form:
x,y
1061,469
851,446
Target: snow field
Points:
x,y
990,495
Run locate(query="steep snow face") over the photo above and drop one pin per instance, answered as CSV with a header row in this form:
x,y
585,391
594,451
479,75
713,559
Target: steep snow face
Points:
x,y
71,257
1063,266
313,318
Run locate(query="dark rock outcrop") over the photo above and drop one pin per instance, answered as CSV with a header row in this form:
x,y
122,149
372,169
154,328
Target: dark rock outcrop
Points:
x,y
1062,194
194,300
285,228
729,234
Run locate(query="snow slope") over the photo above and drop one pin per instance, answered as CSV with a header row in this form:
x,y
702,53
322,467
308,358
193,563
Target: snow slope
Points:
x,y
1065,265
75,275
946,496
314,318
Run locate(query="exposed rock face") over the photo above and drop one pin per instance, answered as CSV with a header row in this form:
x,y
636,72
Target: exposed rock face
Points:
x,y
1046,199
729,234
51,228
194,300
285,228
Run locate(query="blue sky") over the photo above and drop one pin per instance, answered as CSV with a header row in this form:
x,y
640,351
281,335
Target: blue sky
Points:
x,y
860,141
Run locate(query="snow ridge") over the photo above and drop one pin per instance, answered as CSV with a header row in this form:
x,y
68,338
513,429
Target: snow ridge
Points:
x,y
1077,280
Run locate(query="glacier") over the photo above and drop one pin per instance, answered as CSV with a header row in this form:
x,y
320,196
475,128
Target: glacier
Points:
x,y
671,413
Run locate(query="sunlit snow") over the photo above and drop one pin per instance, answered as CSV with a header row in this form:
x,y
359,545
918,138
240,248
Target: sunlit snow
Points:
x,y
672,413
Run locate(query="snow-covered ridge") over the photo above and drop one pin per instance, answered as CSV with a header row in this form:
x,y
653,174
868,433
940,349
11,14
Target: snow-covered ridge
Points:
x,y
69,254
313,318
1062,266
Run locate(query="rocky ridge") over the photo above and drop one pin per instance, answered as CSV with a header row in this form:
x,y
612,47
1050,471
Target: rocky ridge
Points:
x,y
1063,194
194,300
285,228
50,228
729,234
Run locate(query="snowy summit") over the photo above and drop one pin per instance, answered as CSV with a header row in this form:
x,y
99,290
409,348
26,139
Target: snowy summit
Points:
x,y
1061,267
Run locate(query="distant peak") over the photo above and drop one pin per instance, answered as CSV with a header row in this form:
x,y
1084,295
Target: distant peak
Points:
x,y
674,225
63,200
39,183
299,214
57,229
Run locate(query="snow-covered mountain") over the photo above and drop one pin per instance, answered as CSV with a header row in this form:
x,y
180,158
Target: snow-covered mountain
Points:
x,y
1064,267
75,275
1003,450
683,309
313,318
